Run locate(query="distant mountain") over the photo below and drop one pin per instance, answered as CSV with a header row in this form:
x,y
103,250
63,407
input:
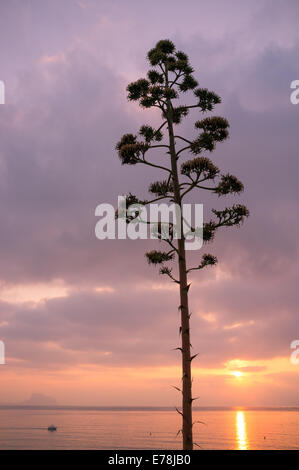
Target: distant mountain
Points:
x,y
38,399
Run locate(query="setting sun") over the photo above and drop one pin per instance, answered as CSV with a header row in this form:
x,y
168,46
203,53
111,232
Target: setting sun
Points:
x,y
237,374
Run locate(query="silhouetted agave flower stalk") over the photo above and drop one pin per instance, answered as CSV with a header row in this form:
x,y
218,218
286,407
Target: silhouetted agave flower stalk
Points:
x,y
168,79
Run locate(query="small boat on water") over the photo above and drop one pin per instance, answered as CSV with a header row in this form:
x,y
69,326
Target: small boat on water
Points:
x,y
52,428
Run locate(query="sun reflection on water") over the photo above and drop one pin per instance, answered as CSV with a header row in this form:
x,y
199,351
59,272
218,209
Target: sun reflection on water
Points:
x,y
241,435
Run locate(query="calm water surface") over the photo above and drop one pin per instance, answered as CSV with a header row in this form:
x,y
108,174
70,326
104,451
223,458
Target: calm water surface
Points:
x,y
146,429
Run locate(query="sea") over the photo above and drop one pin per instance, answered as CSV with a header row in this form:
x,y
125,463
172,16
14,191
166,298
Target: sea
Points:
x,y
120,428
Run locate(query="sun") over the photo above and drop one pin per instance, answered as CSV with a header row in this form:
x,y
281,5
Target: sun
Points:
x,y
237,374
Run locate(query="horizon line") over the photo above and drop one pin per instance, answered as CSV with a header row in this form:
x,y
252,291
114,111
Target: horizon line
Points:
x,y
150,407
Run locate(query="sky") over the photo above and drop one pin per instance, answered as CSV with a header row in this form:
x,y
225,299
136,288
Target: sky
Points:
x,y
88,322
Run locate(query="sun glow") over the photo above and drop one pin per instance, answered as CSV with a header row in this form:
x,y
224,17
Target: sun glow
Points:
x,y
237,373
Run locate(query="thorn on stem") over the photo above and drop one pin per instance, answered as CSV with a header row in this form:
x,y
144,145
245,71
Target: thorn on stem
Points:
x,y
180,349
198,422
193,357
179,412
187,287
193,399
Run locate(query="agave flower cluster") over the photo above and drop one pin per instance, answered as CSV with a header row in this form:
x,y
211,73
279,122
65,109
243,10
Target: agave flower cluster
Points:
x,y
169,78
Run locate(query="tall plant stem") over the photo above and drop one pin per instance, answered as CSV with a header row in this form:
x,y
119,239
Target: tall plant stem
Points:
x,y
184,308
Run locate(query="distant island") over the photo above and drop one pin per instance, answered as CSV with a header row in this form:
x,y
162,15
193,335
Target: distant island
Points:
x,y
38,399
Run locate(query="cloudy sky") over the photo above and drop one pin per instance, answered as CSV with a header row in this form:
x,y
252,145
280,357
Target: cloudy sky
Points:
x,y
87,321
